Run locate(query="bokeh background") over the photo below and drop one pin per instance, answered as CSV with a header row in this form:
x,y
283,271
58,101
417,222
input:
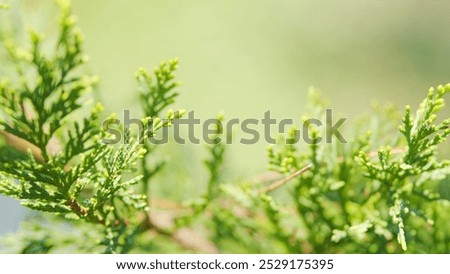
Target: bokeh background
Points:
x,y
247,57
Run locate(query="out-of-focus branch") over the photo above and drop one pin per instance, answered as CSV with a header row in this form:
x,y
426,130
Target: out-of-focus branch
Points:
x,y
280,183
22,145
163,224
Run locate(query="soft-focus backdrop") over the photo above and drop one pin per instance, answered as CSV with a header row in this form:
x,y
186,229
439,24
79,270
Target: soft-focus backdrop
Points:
x,y
246,57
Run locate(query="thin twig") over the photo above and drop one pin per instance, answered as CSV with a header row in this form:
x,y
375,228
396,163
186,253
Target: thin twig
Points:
x,y
185,237
22,145
280,183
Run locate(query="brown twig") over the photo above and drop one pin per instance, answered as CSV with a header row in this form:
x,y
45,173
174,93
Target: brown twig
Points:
x,y
163,224
280,183
22,145
394,150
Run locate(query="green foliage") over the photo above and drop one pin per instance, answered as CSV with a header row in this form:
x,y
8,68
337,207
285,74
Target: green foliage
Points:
x,y
157,92
381,192
398,175
353,203
214,164
68,170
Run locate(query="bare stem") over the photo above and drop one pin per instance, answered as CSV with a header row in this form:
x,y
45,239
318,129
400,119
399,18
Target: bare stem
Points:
x,y
280,183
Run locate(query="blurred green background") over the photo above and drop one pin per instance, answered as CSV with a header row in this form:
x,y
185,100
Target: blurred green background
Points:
x,y
247,57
